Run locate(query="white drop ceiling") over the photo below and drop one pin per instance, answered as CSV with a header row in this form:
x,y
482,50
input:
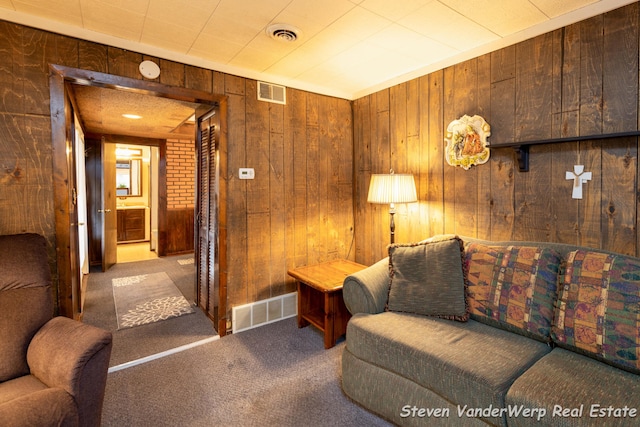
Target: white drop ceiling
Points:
x,y
347,48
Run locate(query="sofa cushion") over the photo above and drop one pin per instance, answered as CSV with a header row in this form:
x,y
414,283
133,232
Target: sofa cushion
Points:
x,y
566,380
598,310
513,287
468,363
427,278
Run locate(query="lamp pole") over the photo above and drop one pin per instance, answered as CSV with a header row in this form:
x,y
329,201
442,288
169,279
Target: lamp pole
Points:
x,y
392,224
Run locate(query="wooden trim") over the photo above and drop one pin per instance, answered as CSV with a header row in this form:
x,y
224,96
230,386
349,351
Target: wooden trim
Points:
x,y
222,217
162,199
61,195
142,87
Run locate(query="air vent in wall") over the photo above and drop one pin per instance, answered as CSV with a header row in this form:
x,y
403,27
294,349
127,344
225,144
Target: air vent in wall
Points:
x,y
272,93
259,313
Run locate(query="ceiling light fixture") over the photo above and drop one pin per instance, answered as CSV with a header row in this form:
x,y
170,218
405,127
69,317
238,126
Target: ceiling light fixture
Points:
x,y
284,32
131,116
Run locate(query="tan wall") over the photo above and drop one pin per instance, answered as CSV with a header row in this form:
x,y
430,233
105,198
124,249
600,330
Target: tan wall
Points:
x,y
578,81
297,210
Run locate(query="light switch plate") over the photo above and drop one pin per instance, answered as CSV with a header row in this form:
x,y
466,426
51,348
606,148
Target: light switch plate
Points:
x,y
246,173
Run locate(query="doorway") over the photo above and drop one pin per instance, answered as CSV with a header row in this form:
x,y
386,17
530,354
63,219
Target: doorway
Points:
x,y
64,80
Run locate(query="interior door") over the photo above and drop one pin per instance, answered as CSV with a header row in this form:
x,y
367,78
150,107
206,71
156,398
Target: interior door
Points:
x,y
206,223
109,204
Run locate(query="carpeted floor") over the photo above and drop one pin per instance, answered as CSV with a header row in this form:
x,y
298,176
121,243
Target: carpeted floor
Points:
x,y
141,341
274,375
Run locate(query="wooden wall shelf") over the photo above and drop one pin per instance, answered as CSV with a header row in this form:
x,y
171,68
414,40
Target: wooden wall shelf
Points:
x,y
522,148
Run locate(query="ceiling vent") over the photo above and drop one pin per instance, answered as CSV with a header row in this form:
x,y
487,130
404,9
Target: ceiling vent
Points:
x,y
272,93
283,32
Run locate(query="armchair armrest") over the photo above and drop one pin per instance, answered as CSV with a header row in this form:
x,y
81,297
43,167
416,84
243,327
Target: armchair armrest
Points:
x,y
367,290
75,357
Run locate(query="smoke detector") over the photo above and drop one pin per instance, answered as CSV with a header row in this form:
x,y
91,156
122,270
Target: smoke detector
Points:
x,y
284,32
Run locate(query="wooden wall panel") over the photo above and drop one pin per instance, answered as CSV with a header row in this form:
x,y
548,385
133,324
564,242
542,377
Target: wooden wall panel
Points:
x,y
577,80
620,70
92,56
181,226
11,68
277,202
619,192
590,119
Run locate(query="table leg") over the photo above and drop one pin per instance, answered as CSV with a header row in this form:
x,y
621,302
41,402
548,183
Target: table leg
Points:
x,y
303,304
329,318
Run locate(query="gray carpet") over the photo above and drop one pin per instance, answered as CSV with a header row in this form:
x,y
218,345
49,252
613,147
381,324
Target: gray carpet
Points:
x,y
274,375
141,341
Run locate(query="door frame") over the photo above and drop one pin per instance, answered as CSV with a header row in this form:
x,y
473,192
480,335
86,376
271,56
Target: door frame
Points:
x,y
58,76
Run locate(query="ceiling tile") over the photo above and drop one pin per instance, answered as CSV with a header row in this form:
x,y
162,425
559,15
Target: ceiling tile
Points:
x,y
253,15
308,27
396,38
436,20
139,7
193,14
326,44
393,10
265,51
58,10
215,48
553,8
358,24
323,12
503,18
254,59
168,35
111,19
293,65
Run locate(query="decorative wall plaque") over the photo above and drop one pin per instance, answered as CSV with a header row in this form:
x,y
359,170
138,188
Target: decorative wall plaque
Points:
x,y
467,143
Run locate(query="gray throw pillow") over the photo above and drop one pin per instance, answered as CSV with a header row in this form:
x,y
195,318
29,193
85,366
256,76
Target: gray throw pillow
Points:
x,y
427,278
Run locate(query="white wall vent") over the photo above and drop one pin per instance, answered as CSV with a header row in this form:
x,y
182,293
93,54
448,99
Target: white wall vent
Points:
x,y
252,315
272,93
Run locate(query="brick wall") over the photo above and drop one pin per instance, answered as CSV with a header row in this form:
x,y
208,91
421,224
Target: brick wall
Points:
x,y
181,166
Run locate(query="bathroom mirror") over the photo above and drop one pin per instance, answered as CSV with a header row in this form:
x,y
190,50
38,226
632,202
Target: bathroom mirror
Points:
x,y
128,177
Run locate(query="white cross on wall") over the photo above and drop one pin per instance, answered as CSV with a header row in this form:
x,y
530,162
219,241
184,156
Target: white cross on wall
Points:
x,y
579,177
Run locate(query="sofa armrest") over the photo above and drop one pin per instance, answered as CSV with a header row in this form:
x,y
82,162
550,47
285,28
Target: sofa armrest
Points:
x,y
75,357
367,290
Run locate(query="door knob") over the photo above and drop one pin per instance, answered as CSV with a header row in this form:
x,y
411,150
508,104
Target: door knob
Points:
x,y
104,210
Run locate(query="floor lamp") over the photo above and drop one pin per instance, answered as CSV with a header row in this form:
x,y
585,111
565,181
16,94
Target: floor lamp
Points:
x,y
392,188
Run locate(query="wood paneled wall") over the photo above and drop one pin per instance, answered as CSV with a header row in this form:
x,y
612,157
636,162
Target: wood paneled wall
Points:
x,y
297,210
580,80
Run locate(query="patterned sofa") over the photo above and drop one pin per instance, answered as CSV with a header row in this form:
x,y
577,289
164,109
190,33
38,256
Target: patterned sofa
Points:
x,y
53,370
459,331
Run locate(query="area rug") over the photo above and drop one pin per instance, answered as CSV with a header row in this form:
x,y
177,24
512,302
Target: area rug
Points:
x,y
147,298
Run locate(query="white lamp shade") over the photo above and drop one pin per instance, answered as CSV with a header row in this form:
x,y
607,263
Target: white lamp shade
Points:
x,y
392,188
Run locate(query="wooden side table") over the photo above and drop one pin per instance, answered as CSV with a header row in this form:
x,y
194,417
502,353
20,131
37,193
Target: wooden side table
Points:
x,y
320,300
